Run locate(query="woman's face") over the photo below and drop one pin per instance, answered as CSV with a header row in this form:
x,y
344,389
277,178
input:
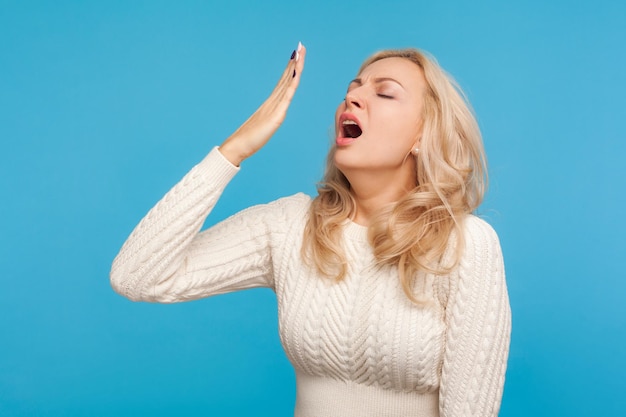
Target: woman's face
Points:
x,y
379,122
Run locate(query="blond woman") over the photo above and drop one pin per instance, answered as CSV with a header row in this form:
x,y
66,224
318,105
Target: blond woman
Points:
x,y
391,294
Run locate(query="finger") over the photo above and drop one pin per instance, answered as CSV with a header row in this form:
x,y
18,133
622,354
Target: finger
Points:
x,y
283,92
277,103
287,74
291,75
292,86
290,80
300,58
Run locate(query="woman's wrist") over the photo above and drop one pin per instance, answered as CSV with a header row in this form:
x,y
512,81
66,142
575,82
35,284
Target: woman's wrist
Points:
x,y
234,155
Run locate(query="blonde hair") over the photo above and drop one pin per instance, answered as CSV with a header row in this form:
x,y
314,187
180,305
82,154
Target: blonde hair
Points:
x,y
414,232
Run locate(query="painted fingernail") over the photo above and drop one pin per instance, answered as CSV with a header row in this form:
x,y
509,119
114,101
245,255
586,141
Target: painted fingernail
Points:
x,y
293,54
294,74
299,46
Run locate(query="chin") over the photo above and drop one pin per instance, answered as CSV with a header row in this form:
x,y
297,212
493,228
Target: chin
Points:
x,y
346,161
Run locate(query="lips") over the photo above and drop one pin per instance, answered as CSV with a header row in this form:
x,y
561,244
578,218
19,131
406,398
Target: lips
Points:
x,y
349,129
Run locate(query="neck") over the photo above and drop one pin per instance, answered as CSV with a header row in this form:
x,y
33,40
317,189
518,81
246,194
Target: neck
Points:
x,y
374,190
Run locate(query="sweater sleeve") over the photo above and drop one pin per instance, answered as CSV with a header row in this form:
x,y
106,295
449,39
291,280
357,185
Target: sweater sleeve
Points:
x,y
478,319
166,259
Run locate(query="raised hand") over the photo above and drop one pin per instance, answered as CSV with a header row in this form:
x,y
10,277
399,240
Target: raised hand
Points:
x,y
259,128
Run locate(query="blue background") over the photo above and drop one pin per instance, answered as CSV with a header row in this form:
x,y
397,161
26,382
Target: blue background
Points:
x,y
105,105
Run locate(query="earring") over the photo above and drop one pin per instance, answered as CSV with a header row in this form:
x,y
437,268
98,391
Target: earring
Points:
x,y
415,151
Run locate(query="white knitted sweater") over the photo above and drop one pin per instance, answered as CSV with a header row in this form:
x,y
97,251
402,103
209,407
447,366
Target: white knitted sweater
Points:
x,y
359,347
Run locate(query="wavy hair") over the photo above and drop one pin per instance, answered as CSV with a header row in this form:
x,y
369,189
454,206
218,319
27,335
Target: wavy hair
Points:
x,y
414,232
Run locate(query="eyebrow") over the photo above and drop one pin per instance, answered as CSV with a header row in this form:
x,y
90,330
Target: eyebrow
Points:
x,y
377,81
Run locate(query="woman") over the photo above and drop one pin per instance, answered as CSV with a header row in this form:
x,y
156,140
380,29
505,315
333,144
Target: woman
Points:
x,y
391,294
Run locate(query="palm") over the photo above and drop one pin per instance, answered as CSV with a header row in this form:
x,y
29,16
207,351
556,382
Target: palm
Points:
x,y
255,132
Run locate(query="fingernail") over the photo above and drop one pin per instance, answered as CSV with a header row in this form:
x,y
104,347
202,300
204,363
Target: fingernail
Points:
x,y
298,51
293,54
294,74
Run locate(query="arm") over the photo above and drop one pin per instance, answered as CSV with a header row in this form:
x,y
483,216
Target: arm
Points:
x,y
165,259
478,318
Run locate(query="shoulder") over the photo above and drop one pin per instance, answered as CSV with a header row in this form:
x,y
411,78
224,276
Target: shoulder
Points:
x,y
297,200
477,229
290,205
284,209
472,232
480,242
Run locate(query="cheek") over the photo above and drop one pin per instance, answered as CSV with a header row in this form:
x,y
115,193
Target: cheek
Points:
x,y
400,131
407,130
340,109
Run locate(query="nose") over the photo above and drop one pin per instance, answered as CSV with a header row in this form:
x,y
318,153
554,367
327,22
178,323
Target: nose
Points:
x,y
354,100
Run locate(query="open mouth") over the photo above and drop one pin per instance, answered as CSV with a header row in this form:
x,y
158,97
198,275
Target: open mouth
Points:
x,y
350,129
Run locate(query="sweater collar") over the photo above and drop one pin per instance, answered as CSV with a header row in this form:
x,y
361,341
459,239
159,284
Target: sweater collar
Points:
x,y
355,231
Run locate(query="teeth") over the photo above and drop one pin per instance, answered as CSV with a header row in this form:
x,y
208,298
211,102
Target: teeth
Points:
x,y
349,122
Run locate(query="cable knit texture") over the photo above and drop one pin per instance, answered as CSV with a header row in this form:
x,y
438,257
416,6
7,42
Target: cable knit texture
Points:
x,y
359,346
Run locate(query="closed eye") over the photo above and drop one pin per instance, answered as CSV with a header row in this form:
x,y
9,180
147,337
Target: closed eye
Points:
x,y
384,96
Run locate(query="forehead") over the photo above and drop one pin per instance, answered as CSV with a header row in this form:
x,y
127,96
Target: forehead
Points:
x,y
406,72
